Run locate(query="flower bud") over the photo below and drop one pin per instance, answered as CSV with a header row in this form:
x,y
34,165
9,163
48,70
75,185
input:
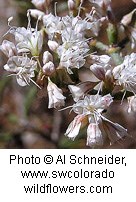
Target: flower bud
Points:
x,y
8,48
71,4
41,4
47,56
56,98
48,68
53,45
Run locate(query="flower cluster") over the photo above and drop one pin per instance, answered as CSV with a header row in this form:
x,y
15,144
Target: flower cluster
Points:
x,y
52,55
99,128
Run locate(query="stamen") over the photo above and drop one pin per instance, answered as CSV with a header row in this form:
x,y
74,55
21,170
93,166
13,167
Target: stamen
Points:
x,y
35,83
55,9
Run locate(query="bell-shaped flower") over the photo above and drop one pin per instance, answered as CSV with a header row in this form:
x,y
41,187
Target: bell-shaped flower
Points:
x,y
74,127
94,135
79,91
56,98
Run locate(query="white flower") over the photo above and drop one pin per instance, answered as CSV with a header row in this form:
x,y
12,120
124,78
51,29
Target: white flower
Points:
x,y
93,105
53,25
28,40
56,98
99,128
74,28
94,135
78,91
71,57
74,127
8,48
22,67
125,74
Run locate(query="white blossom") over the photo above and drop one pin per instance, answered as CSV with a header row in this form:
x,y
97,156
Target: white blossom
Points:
x,y
53,24
23,68
28,40
74,127
71,57
125,74
91,107
79,91
72,48
56,98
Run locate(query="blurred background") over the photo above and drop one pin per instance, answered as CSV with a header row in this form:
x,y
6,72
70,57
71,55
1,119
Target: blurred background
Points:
x,y
25,120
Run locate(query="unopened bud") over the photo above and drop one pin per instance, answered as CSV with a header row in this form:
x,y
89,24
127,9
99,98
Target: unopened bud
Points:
x,y
48,68
41,4
47,56
71,4
53,45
